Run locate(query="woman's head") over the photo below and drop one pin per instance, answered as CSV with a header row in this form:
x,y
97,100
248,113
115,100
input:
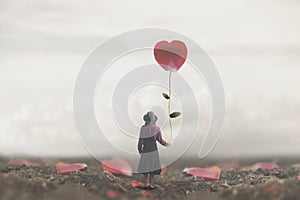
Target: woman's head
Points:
x,y
150,118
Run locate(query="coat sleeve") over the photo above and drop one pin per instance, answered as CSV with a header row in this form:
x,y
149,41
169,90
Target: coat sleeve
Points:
x,y
140,143
159,138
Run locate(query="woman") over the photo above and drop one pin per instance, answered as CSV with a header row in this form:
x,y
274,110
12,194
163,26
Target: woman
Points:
x,y
149,164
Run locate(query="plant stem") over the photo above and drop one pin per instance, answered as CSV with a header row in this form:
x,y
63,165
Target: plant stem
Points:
x,y
169,105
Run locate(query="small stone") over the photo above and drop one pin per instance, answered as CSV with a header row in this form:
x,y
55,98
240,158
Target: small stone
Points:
x,y
213,188
52,178
61,180
44,184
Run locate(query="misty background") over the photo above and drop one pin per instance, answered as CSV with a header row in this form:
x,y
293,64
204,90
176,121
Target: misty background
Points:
x,y
254,44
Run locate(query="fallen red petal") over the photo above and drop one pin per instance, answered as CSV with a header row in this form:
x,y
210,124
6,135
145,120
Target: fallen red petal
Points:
x,y
244,168
263,165
145,193
20,162
297,166
135,183
210,173
298,177
163,170
117,166
232,165
271,188
112,193
64,168
46,161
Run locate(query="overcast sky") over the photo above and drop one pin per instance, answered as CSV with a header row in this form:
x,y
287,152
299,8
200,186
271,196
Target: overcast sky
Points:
x,y
254,44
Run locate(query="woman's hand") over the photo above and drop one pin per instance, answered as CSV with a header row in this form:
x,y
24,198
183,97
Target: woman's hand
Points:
x,y
169,144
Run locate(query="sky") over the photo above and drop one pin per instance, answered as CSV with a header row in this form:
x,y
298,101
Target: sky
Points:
x,y
254,44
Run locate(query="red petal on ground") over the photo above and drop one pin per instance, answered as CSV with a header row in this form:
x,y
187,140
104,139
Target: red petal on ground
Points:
x,y
273,187
298,177
210,173
232,165
244,168
112,193
145,193
297,166
263,165
135,183
64,168
46,161
20,162
117,166
163,169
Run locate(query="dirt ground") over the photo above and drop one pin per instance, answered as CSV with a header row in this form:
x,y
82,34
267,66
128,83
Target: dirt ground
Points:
x,y
42,182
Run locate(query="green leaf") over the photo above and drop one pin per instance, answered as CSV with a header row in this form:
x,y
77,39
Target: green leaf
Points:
x,y
175,114
166,96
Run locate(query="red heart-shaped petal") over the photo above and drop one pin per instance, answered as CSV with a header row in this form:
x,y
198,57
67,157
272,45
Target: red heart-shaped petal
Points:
x,y
170,56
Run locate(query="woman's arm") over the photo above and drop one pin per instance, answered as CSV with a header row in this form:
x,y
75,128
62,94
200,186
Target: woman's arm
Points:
x,y
160,139
140,143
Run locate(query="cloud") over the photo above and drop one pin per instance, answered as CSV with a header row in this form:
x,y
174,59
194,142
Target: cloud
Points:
x,y
40,129
72,25
262,128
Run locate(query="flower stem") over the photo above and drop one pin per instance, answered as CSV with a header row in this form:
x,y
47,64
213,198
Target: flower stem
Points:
x,y
169,105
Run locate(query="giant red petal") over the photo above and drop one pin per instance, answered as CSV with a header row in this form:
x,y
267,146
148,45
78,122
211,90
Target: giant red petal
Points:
x,y
145,193
64,168
112,193
263,165
117,166
272,188
20,162
163,170
135,183
210,173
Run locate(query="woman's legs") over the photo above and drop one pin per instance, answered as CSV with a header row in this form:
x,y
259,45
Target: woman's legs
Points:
x,y
145,179
151,178
148,178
